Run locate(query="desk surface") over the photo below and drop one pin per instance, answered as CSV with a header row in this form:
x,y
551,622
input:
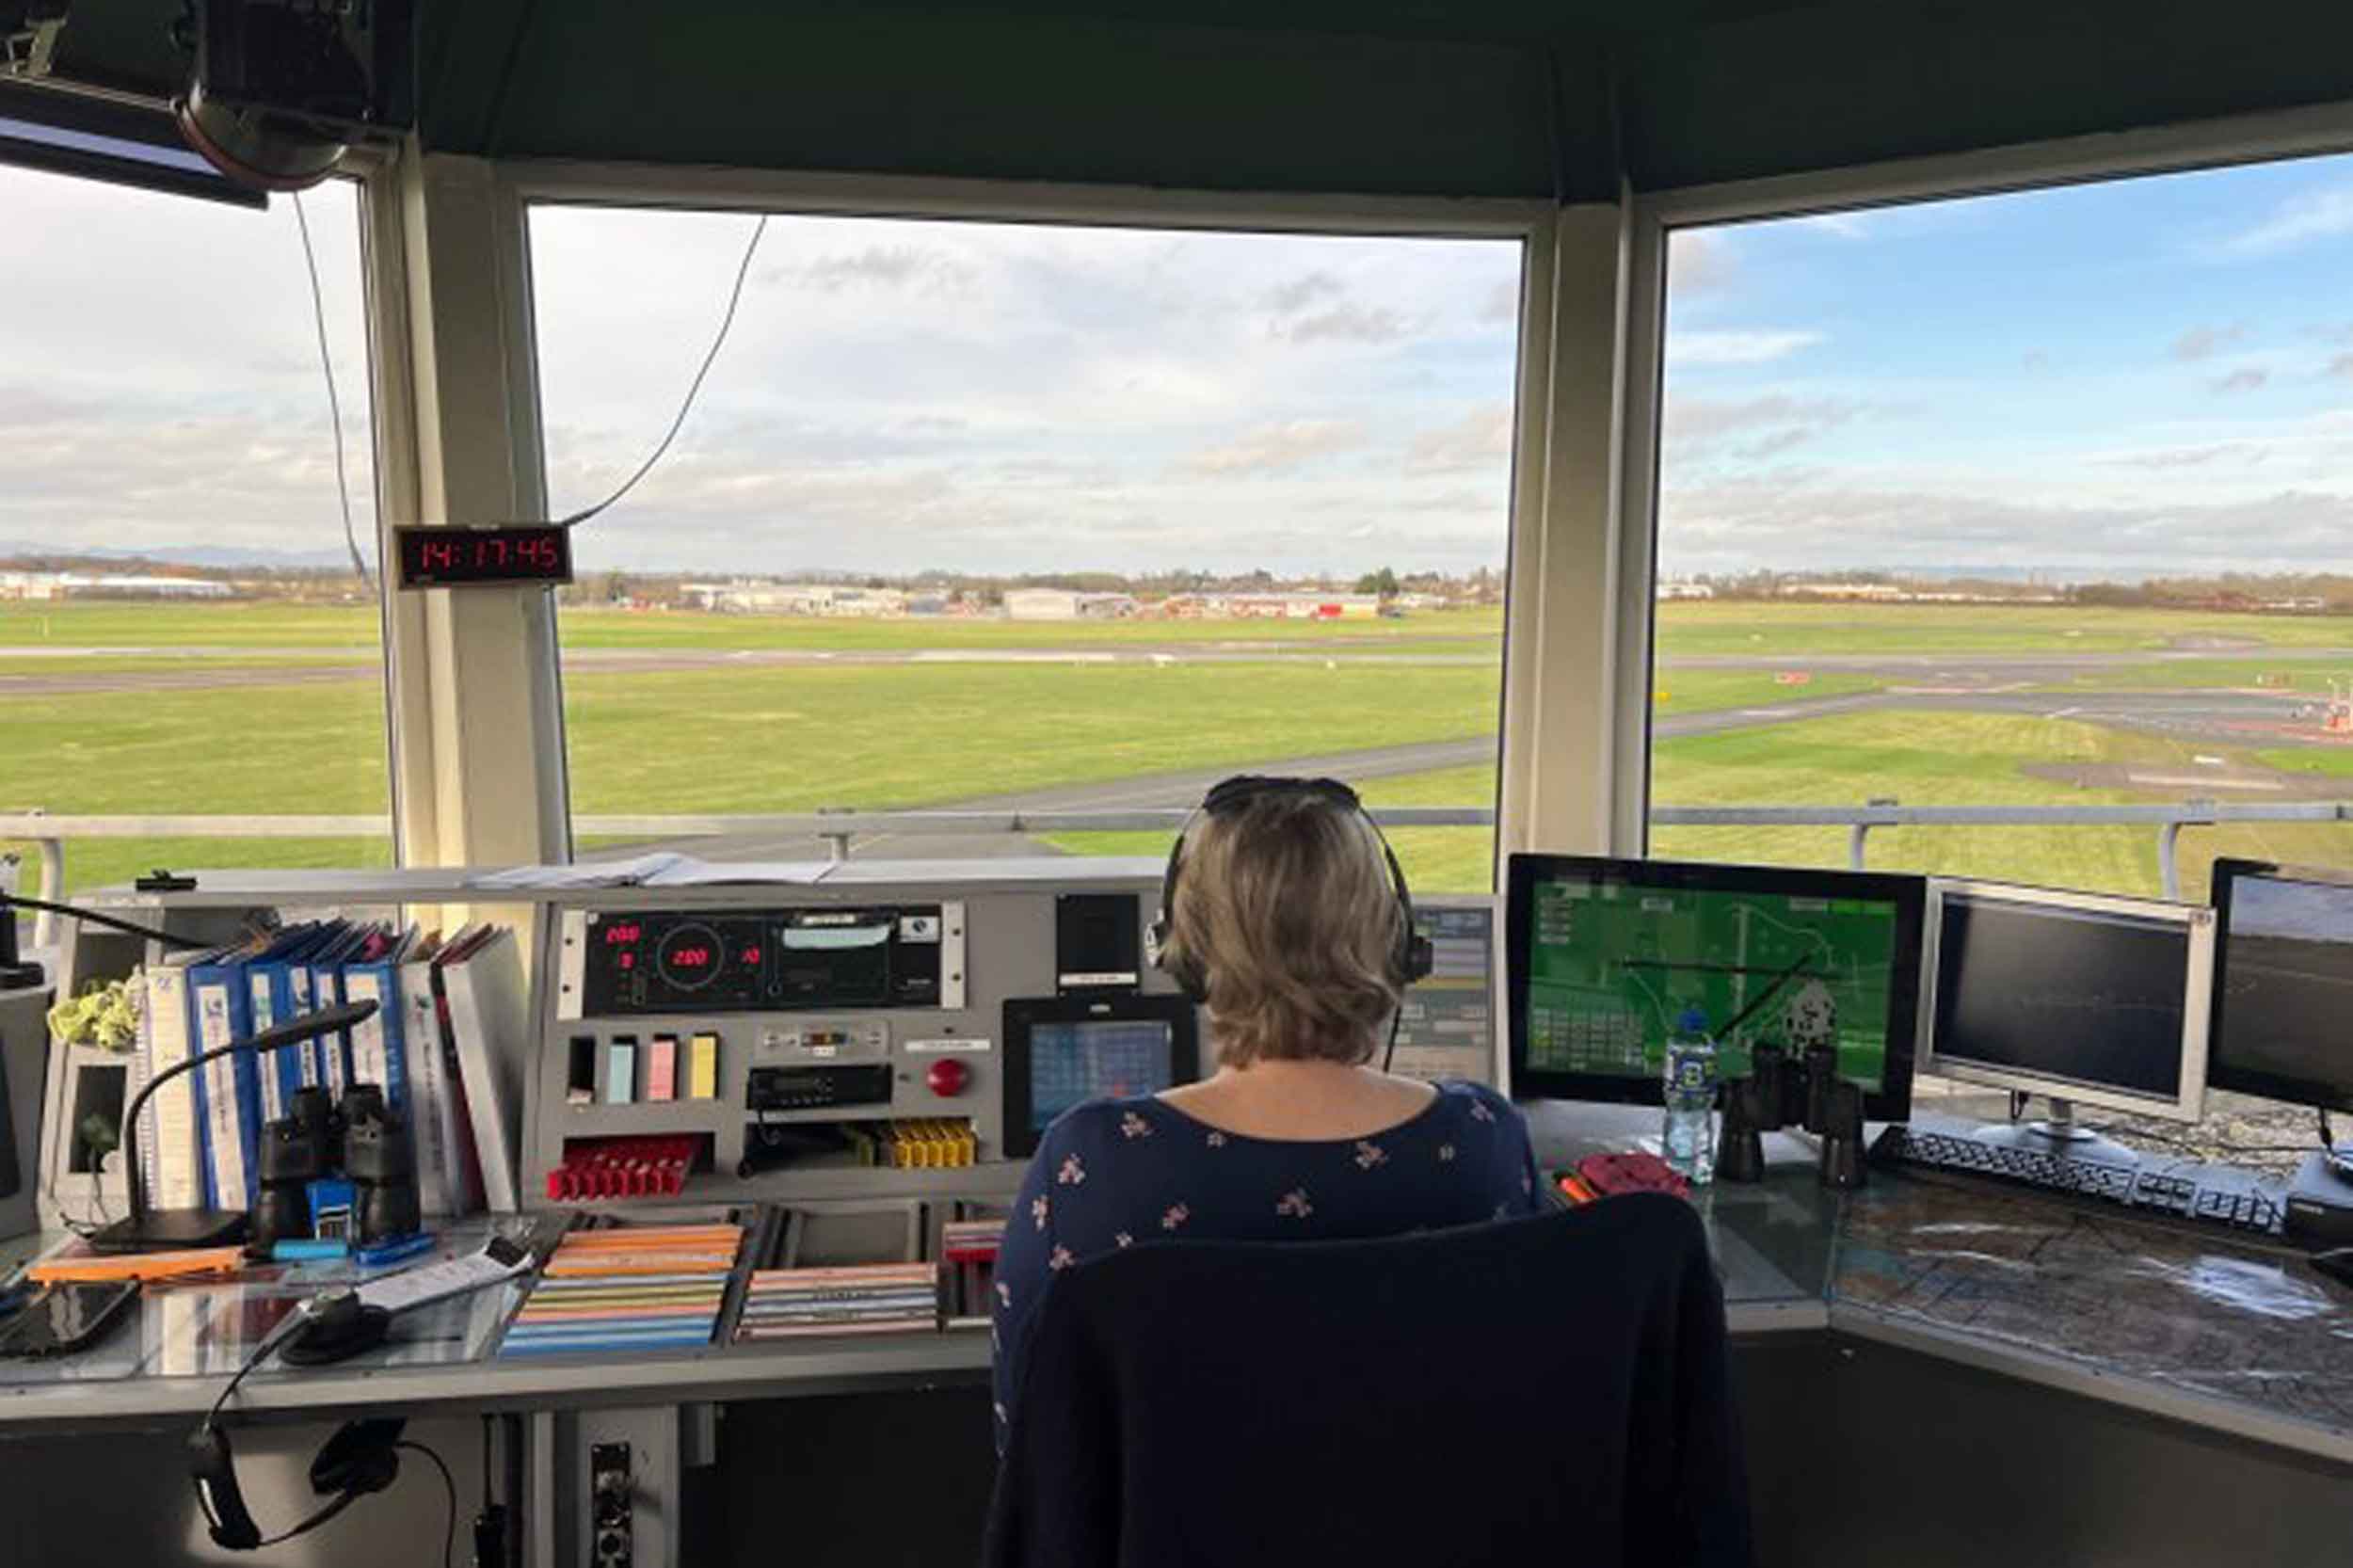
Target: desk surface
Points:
x,y
2237,1337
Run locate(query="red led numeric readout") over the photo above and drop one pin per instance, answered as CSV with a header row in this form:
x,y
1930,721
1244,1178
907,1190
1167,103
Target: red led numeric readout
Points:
x,y
622,934
691,958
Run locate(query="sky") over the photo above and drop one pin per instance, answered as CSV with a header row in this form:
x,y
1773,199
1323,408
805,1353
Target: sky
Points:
x,y
2142,377
899,394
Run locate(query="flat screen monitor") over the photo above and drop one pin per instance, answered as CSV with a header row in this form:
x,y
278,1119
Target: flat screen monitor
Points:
x,y
1450,1025
1604,956
2283,984
1062,1052
2082,996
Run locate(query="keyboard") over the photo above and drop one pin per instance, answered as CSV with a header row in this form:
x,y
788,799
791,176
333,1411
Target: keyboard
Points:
x,y
2223,1199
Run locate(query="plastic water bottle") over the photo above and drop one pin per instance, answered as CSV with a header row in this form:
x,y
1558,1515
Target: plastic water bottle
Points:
x,y
1688,1133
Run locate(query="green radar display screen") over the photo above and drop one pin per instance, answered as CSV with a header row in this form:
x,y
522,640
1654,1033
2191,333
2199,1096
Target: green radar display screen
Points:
x,y
1607,956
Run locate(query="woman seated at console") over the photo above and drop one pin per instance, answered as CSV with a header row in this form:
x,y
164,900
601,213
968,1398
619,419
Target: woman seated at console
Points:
x,y
1288,918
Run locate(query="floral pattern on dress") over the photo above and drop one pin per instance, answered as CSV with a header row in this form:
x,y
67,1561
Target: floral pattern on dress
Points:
x,y
1370,1154
1446,1153
1293,1205
1216,1138
1072,1173
1479,1112
1133,1126
1060,1259
1122,1239
1177,1215
1005,1294
1037,1212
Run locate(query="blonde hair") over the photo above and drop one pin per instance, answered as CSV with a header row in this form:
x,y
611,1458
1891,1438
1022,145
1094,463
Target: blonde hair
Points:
x,y
1286,908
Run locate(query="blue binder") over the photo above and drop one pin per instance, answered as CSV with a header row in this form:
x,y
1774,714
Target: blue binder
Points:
x,y
332,1054
274,999
378,1046
229,1091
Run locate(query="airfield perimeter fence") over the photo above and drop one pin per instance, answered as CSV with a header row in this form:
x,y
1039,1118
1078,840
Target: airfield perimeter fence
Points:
x,y
843,832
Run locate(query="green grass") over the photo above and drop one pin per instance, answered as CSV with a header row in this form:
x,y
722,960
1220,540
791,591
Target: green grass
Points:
x,y
293,750
2329,762
1436,859
2307,677
1951,759
1687,627
1705,691
884,736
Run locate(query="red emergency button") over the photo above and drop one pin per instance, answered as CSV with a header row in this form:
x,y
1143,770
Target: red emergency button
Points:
x,y
948,1077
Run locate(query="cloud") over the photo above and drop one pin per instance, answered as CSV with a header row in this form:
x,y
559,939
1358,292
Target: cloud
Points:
x,y
1303,291
1277,448
1697,262
880,267
1772,521
2247,379
2342,365
1480,439
1847,226
2314,215
2203,342
1345,323
2161,458
1697,427
1735,347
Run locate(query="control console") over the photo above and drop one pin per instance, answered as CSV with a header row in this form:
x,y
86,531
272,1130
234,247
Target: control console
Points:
x,y
839,1034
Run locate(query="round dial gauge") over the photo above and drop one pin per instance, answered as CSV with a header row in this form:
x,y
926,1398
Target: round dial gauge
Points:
x,y
690,956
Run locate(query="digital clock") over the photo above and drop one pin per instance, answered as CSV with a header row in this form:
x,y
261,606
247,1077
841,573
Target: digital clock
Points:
x,y
466,557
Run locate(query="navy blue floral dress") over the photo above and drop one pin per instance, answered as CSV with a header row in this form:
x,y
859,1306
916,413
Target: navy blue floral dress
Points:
x,y
1113,1174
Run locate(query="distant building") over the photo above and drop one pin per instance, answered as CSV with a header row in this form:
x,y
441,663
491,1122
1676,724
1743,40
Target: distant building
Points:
x,y
1276,604
1066,604
792,599
1672,588
1884,591
67,584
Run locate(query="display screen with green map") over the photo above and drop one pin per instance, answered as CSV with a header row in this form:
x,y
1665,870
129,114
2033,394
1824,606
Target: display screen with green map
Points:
x,y
1607,955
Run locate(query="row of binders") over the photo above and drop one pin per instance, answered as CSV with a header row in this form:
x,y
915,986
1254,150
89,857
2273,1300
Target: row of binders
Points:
x,y
440,1045
864,1298
627,1288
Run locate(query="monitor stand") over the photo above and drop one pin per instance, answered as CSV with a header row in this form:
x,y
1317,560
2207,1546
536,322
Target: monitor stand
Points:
x,y
2060,1135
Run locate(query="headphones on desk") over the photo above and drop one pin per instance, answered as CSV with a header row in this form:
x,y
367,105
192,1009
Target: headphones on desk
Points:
x,y
1411,959
363,1457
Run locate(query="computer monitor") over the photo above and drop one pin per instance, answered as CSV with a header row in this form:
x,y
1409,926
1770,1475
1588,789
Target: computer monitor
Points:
x,y
1062,1050
1604,956
2086,998
1450,1023
2283,984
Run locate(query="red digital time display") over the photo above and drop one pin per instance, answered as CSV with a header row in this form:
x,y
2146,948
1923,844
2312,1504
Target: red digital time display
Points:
x,y
622,934
461,557
690,958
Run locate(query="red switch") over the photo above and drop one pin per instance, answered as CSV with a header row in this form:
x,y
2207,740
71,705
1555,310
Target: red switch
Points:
x,y
948,1077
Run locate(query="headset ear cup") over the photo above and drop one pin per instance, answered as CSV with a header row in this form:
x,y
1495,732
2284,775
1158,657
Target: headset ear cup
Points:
x,y
214,1471
1419,957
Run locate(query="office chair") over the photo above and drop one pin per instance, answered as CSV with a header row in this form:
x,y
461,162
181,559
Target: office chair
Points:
x,y
1548,1390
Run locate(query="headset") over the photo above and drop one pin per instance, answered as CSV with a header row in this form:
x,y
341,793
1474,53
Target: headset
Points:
x,y
360,1459
1411,960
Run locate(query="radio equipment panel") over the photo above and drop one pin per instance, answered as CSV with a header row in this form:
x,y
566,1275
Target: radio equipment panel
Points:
x,y
826,960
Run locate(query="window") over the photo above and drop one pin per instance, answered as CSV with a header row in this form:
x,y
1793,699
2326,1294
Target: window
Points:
x,y
984,514
181,631
2036,500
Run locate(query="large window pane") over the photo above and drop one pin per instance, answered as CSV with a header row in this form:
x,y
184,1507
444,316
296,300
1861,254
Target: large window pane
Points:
x,y
182,630
992,514
2034,500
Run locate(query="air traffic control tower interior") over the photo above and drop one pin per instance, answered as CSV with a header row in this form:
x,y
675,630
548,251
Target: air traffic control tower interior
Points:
x,y
574,1181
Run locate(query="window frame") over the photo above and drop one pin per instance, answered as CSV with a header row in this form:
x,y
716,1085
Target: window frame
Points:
x,y
520,184
2321,131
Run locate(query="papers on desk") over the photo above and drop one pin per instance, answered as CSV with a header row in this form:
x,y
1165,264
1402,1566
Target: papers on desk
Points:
x,y
631,1288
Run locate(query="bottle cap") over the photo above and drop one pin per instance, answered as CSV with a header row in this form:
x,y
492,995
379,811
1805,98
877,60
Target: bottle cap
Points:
x,y
1693,1022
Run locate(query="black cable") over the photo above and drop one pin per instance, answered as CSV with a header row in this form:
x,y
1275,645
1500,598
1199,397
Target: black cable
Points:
x,y
734,298
449,1531
1395,1018
77,912
334,404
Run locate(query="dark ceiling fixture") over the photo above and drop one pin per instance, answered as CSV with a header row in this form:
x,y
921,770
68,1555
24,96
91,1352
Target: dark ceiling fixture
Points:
x,y
281,88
